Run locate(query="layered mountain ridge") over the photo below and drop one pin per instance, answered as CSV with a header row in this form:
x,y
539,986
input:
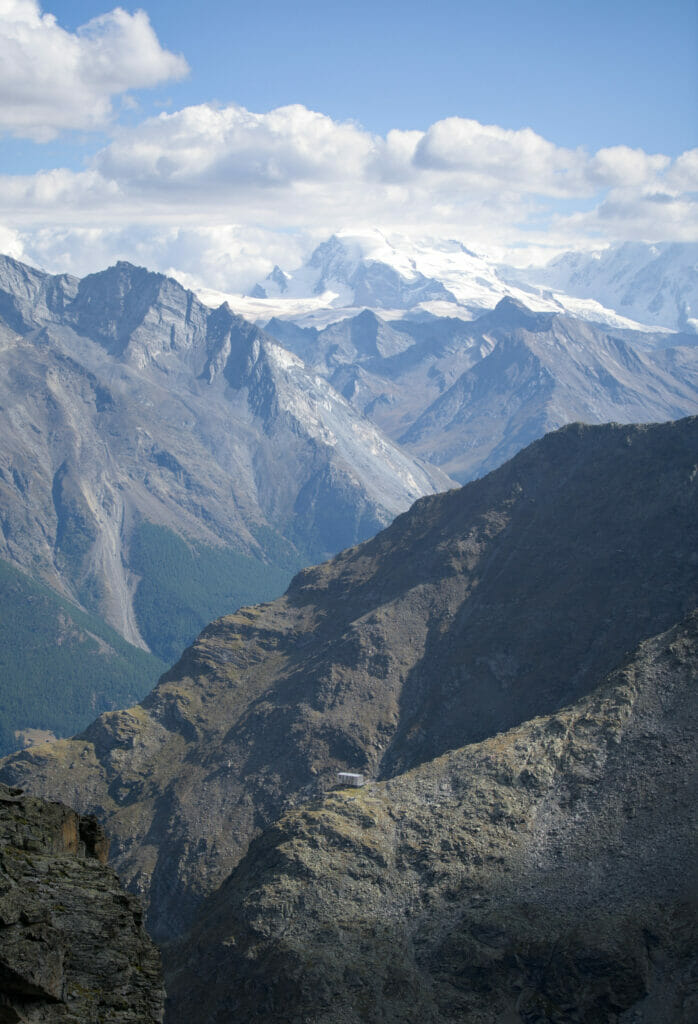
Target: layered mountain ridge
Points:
x,y
467,396
463,659
141,476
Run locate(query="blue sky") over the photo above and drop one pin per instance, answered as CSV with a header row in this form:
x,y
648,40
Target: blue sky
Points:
x,y
580,73
141,128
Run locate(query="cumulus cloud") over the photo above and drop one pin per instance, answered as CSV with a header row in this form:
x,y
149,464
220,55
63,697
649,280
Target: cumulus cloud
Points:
x,y
625,167
227,258
52,80
683,175
210,190
232,146
486,153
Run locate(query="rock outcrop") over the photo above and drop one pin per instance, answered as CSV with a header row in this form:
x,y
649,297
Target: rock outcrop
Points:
x,y
73,948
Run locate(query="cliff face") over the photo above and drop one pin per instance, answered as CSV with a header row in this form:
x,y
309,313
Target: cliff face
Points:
x,y
72,944
124,399
475,612
545,874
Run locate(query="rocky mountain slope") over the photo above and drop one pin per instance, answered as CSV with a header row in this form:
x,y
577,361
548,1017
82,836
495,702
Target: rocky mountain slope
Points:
x,y
474,613
72,942
163,462
467,396
545,874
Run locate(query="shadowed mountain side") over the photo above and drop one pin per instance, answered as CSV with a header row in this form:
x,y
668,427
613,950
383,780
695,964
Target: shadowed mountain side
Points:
x,y
475,611
546,874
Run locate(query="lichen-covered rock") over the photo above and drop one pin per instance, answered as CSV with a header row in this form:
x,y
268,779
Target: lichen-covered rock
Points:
x,y
72,945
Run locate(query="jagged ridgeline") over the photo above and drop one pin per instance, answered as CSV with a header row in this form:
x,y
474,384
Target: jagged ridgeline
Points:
x,y
513,665
162,463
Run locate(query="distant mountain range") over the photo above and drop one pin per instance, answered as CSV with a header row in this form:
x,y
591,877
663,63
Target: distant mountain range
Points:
x,y
468,395
165,461
654,284
512,665
624,286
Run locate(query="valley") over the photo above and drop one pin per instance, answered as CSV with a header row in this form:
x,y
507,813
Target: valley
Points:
x,y
496,662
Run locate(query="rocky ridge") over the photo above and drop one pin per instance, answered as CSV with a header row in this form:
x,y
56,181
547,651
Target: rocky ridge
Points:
x,y
73,947
545,874
476,611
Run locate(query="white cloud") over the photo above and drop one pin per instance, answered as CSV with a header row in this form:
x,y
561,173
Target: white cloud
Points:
x,y
683,175
487,154
52,80
228,258
636,215
625,167
232,146
220,194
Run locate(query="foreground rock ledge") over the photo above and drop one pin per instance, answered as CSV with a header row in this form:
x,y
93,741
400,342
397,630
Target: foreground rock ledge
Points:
x,y
72,944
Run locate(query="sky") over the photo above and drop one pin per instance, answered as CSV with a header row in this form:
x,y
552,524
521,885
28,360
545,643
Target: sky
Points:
x,y
214,140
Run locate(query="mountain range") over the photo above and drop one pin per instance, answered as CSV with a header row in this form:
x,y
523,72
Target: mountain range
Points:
x,y
512,665
631,285
466,396
653,284
166,461
163,462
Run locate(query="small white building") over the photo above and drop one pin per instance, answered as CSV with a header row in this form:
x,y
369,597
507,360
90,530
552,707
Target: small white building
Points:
x,y
350,779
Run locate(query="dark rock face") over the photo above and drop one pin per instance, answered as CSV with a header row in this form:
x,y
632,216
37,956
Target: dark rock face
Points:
x,y
475,612
546,874
72,944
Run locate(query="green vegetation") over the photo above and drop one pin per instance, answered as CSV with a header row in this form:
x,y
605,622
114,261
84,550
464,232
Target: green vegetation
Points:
x,y
59,667
185,585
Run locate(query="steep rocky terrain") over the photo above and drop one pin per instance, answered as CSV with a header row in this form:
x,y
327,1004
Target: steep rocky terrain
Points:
x,y
467,396
72,944
124,400
545,874
163,462
475,612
